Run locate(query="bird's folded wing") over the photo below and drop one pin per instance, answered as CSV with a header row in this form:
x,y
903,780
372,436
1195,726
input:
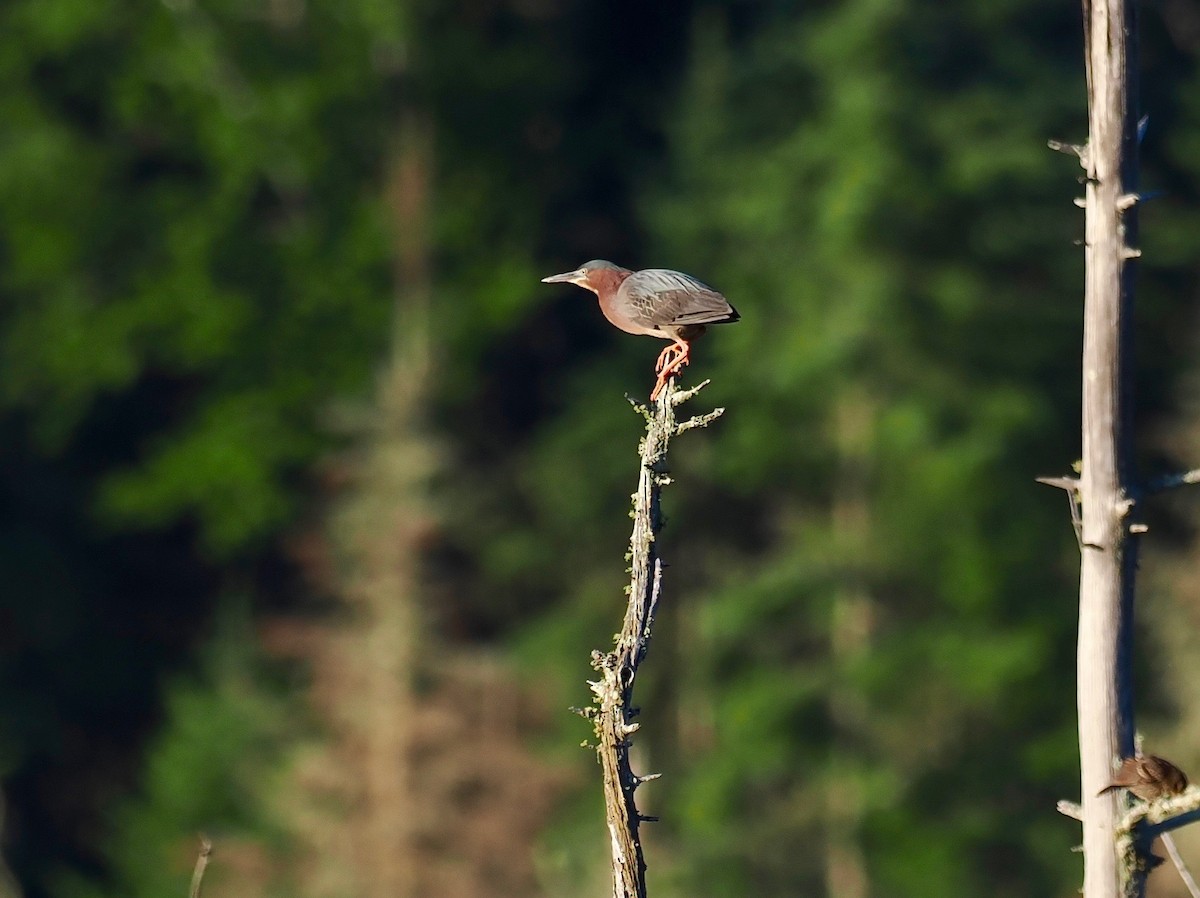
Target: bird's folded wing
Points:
x,y
714,312
659,296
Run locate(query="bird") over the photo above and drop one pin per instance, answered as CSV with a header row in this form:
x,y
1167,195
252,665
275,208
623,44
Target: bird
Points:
x,y
657,302
1148,777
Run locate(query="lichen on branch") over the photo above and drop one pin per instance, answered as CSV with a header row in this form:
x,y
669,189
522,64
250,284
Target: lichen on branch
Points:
x,y
613,711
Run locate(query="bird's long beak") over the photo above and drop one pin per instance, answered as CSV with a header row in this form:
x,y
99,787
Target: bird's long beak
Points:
x,y
567,277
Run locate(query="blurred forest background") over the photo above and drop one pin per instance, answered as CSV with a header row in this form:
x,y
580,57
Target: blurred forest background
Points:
x,y
314,499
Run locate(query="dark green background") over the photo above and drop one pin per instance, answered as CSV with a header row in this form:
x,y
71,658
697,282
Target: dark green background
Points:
x,y
868,596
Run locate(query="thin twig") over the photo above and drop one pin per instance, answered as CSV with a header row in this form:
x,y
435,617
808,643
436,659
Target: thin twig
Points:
x,y
1172,481
614,709
201,866
1071,149
1184,873
682,396
1069,485
1070,809
699,421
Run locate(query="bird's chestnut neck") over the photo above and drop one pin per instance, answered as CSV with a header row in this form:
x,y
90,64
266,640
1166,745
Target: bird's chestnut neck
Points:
x,y
607,281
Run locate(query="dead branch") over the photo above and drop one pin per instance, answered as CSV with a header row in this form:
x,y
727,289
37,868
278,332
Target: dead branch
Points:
x,y
202,859
1177,859
1172,481
1103,501
1106,491
614,710
1148,820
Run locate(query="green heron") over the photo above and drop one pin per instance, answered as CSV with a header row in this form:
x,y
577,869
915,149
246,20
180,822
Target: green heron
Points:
x,y
657,302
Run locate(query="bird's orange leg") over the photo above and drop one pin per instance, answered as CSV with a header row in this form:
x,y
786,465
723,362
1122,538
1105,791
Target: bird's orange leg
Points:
x,y
658,387
665,357
682,357
670,361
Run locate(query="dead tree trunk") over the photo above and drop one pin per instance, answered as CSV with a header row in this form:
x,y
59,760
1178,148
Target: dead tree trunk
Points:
x,y
1105,490
1106,486
614,711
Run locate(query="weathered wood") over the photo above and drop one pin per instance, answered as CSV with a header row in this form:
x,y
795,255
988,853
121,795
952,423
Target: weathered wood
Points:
x,y
1105,486
614,711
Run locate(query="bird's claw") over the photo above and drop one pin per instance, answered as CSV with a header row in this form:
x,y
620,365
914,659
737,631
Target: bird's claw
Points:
x,y
658,387
667,354
668,369
673,358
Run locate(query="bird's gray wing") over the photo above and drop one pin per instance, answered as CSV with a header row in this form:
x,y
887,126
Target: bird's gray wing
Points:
x,y
656,297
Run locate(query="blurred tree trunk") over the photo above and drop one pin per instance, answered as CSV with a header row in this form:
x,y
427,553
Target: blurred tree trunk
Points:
x,y
401,463
425,790
1106,488
352,806
381,529
850,626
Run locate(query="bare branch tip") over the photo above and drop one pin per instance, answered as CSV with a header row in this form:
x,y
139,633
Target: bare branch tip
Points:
x,y
1062,483
1173,481
681,396
1071,149
640,407
699,421
1070,809
202,859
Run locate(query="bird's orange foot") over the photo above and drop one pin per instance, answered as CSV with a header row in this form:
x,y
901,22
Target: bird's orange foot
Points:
x,y
666,358
679,362
673,357
668,368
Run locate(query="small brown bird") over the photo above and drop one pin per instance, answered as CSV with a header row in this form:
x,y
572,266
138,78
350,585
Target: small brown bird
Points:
x,y
657,302
1148,777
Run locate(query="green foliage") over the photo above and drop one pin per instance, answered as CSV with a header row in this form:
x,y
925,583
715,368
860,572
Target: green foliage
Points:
x,y
172,214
